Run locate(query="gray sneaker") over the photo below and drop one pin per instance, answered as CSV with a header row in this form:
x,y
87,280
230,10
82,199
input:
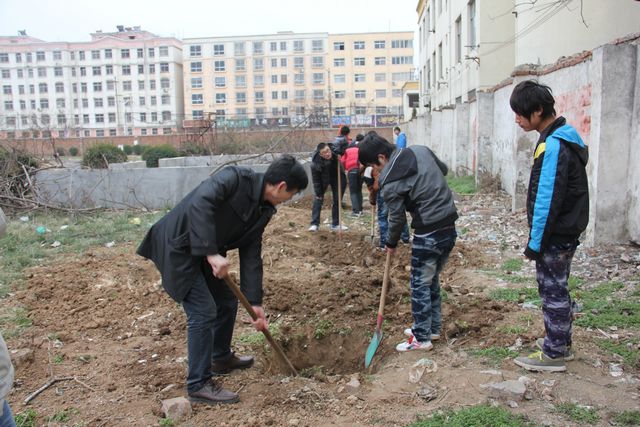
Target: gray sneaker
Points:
x,y
539,361
569,355
212,393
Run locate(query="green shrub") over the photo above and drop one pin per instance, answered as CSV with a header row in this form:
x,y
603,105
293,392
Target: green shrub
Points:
x,y
152,154
128,150
100,155
60,151
137,150
193,149
73,151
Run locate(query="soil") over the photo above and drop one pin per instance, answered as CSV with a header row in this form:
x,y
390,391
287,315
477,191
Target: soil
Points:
x,y
103,318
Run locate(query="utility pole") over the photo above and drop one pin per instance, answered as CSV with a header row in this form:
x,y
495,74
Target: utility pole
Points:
x,y
330,107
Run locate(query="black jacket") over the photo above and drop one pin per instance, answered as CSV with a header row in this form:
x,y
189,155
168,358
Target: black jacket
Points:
x,y
558,194
226,211
324,172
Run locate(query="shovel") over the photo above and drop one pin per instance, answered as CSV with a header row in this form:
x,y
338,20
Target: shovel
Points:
x,y
372,238
238,293
377,335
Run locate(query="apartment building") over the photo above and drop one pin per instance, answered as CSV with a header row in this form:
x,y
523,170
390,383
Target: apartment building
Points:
x,y
464,46
127,82
297,78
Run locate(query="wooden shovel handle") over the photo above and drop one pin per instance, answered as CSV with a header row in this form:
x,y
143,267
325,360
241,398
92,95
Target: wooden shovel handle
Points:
x,y
238,293
385,285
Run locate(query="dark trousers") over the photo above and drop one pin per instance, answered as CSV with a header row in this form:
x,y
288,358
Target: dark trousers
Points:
x,y
355,190
319,189
552,273
211,315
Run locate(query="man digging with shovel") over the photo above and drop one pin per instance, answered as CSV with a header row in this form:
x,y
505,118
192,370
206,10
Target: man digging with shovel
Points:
x,y
412,179
229,210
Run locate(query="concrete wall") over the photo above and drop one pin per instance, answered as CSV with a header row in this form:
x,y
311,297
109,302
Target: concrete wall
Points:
x,y
598,93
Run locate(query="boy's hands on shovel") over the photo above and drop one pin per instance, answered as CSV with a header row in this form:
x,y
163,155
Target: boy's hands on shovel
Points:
x,y
390,251
219,264
261,322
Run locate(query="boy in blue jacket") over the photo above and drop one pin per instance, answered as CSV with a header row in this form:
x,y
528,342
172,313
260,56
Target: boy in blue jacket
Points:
x,y
557,212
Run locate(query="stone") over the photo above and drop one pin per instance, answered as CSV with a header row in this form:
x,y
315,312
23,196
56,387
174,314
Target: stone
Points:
x,y
177,409
351,400
354,382
512,404
21,356
510,390
294,422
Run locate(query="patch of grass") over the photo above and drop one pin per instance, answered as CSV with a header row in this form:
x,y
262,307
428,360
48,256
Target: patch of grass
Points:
x,y
575,282
167,422
513,264
62,416
462,184
514,294
511,278
627,418
257,338
322,329
602,308
12,325
627,349
26,418
57,359
577,413
311,371
477,416
495,355
514,329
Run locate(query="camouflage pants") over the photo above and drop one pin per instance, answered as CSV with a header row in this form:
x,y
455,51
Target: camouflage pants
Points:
x,y
429,254
552,274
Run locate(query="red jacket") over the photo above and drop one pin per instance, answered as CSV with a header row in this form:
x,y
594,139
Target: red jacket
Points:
x,y
350,158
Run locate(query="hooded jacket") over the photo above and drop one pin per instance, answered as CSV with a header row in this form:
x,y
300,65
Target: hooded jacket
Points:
x,y
558,194
413,180
323,171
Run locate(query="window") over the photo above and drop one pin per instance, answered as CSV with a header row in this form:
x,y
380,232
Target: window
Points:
x,y
42,88
358,62
197,114
241,97
152,68
61,119
99,118
108,53
258,64
472,24
380,60
338,62
57,71
273,46
299,94
142,101
166,116
400,77
241,80
298,62
165,83
154,131
284,94
85,118
126,70
283,78
339,94
396,93
124,53
283,46
341,111
318,94
21,90
339,78
359,78
274,94
59,87
126,85
218,50
259,96
11,121
440,61
298,79
220,113
197,99
274,62
401,44
241,113
258,48
163,50
361,110
360,94
8,105
108,70
4,57
238,48
221,98
154,117
241,65
283,62
40,55
98,102
29,56
220,81
317,62
6,74
42,72
317,45
358,45
381,110
111,84
83,88
196,83
298,45
274,78
6,89
140,69
381,93
164,67
57,55
260,113
44,104
95,54
140,53
402,60
20,73
318,78
258,80
195,50
196,67
18,57
218,65
459,39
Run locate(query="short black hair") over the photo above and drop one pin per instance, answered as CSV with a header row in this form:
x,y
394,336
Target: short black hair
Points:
x,y
286,168
321,146
530,96
344,130
359,137
397,128
371,146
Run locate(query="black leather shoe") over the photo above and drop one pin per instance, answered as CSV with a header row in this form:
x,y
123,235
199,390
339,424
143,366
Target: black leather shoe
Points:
x,y
212,394
221,367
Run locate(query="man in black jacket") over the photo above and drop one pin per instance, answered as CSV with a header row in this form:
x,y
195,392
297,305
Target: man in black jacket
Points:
x,y
229,210
558,212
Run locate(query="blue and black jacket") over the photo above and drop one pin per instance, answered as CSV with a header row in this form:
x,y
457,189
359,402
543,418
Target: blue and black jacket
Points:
x,y
558,196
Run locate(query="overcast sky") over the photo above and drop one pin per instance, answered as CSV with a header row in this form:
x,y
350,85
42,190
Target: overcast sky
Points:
x,y
73,20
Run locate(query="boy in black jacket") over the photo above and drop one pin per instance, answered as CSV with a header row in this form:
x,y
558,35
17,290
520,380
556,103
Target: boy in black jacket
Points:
x,y
557,211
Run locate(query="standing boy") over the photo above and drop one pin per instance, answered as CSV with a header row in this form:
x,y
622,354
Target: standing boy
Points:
x,y
412,180
352,166
229,210
401,138
557,211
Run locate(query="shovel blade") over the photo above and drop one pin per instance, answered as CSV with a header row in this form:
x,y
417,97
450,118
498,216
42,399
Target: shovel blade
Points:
x,y
373,346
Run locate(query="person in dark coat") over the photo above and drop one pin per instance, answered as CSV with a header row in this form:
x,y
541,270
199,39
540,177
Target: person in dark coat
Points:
x,y
228,210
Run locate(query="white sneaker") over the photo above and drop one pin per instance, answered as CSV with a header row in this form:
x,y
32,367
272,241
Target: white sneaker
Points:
x,y
313,228
339,227
414,344
409,333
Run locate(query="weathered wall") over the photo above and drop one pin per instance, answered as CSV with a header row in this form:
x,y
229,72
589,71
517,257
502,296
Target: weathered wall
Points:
x,y
633,178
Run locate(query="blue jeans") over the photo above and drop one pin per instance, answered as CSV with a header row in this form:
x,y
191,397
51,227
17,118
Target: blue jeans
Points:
x,y
552,274
429,254
211,315
383,222
6,420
